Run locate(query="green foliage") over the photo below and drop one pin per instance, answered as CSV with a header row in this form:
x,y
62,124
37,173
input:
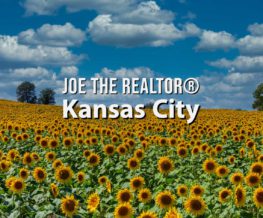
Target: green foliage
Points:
x,y
26,92
258,95
47,96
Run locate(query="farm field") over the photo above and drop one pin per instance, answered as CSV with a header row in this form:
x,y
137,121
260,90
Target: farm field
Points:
x,y
146,168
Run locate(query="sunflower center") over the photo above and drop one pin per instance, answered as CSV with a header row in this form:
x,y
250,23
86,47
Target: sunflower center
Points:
x,y
237,178
196,205
197,191
64,174
125,196
123,211
166,165
93,159
257,169
144,195
70,205
224,194
40,174
239,194
210,166
137,183
259,197
134,163
18,185
166,199
253,179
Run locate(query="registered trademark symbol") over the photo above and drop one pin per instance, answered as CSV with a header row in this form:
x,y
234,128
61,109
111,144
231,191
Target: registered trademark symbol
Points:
x,y
191,86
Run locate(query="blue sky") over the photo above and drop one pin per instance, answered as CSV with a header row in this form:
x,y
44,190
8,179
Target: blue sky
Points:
x,y
219,42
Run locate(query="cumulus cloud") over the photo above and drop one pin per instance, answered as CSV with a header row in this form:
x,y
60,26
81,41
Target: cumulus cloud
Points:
x,y
145,12
210,40
126,72
69,71
241,63
53,35
256,29
47,7
103,30
232,90
14,53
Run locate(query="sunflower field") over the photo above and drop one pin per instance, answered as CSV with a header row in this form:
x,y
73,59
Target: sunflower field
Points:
x,y
123,168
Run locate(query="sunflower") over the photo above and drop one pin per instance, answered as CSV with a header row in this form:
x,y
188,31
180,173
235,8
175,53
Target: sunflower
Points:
x,y
124,195
133,163
39,174
54,189
80,176
50,156
86,153
44,143
9,181
209,166
257,167
253,179
165,165
195,150
182,152
94,159
195,205
93,202
35,156
57,163
123,210
63,174
17,185
28,159
121,149
197,190
137,183
145,195
53,143
109,149
23,173
240,196
224,195
67,142
102,180
165,199
69,205
236,178
222,171
108,186
148,214
182,190
139,154
172,213
5,165
258,197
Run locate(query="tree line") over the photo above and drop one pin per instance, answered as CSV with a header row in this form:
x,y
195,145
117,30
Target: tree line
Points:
x,y
26,92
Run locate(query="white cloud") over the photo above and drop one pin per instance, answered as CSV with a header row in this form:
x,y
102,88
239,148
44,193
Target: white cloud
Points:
x,y
256,29
69,71
103,30
47,7
125,72
146,12
241,64
251,45
53,35
232,90
11,52
210,40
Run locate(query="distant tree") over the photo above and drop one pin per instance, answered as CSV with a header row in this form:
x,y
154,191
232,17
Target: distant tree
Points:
x,y
149,105
26,92
258,95
47,96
